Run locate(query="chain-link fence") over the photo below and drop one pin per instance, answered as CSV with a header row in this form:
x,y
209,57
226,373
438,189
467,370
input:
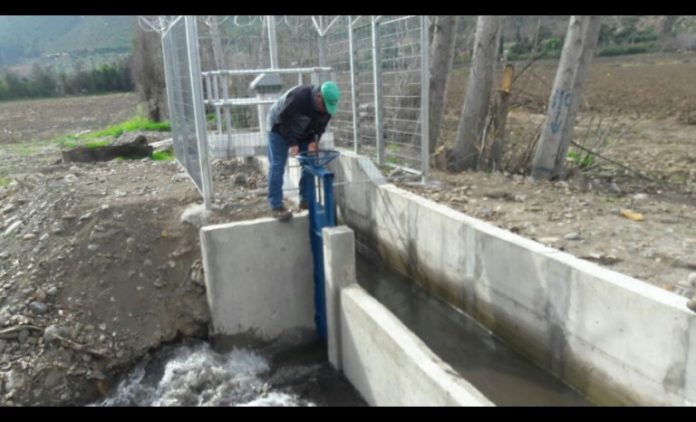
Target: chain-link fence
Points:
x,y
221,83
184,96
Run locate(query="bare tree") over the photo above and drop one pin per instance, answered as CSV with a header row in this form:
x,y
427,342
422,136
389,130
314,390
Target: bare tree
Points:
x,y
502,107
478,93
666,30
581,38
219,56
442,56
148,72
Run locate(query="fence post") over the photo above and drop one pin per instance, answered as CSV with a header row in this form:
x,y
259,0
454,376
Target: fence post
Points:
x,y
353,91
216,91
226,108
377,72
272,42
425,99
322,48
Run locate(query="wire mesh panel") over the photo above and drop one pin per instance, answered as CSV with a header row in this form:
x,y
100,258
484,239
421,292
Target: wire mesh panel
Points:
x,y
337,44
367,91
190,141
401,53
379,63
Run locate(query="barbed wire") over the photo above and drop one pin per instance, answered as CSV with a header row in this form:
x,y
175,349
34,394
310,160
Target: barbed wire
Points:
x,y
253,20
214,18
287,22
158,24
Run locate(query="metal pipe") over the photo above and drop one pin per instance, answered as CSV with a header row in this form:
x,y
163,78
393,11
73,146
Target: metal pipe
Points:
x,y
377,74
268,70
272,41
396,19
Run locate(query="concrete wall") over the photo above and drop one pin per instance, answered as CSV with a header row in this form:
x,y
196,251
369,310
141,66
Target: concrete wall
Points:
x,y
339,272
389,365
258,276
615,338
383,360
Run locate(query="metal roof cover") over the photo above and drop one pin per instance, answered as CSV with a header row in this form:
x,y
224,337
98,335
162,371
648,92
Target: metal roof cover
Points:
x,y
266,83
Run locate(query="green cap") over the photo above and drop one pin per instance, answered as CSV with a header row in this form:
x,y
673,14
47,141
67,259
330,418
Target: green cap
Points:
x,y
331,95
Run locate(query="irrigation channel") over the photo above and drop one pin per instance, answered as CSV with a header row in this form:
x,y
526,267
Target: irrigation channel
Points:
x,y
194,373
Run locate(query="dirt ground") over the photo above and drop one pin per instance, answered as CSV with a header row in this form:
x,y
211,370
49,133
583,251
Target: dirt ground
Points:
x,y
97,266
38,120
642,106
640,86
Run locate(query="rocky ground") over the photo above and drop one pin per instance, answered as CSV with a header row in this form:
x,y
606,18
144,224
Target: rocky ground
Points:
x,y
99,264
584,217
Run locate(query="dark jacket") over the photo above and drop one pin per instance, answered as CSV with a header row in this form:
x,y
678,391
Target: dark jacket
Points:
x,y
295,116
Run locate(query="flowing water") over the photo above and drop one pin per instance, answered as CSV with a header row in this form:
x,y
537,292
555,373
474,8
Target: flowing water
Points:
x,y
194,374
499,373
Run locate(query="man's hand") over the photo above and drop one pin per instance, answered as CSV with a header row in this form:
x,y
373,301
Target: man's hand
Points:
x,y
294,150
312,147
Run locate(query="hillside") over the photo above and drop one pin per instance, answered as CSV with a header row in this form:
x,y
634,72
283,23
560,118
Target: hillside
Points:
x,y
26,37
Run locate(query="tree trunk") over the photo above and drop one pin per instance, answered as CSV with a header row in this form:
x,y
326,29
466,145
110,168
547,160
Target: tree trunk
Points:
x,y
478,93
537,29
666,31
216,40
563,95
590,37
148,72
442,56
500,121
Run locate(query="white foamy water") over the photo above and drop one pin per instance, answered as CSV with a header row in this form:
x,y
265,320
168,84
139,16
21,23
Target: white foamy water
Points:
x,y
198,376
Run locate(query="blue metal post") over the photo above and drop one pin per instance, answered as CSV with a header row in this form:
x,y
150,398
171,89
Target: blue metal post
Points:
x,y
322,213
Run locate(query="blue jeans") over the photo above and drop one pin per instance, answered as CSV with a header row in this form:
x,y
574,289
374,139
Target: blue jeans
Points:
x,y
277,159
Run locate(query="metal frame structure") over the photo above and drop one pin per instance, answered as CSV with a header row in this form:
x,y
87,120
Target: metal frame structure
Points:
x,y
369,125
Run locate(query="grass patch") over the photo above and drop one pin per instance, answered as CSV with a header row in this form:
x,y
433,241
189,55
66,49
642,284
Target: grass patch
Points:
x,y
67,141
163,156
96,144
135,124
583,162
619,50
4,181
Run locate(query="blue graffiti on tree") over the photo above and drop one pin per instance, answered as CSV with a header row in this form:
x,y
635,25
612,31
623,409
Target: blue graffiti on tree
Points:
x,y
561,98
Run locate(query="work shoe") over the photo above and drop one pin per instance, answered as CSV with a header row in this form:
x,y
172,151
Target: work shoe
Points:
x,y
281,214
304,205
691,304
